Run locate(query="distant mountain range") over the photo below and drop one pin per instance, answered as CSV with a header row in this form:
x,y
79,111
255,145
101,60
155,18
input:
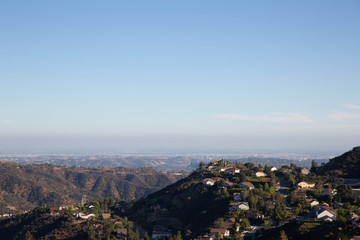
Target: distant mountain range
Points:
x,y
27,186
346,165
170,162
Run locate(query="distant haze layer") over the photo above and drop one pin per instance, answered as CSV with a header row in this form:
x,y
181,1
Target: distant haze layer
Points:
x,y
332,145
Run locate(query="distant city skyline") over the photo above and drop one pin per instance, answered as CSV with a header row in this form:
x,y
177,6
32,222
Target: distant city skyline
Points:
x,y
180,76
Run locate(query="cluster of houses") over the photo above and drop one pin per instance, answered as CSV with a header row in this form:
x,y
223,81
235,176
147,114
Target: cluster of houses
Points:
x,y
322,211
230,168
83,216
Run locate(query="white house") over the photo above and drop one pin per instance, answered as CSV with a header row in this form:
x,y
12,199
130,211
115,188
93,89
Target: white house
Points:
x,y
305,171
243,206
260,174
208,181
325,215
83,215
221,169
273,169
314,203
306,184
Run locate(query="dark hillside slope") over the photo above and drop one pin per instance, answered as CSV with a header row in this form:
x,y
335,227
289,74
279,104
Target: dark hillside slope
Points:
x,y
27,186
346,165
186,204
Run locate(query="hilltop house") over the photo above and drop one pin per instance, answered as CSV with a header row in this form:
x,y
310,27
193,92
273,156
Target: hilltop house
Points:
x,y
239,205
253,215
232,170
217,178
159,231
304,171
299,193
325,215
329,192
208,181
243,206
83,215
260,174
324,205
355,219
314,203
210,167
246,185
227,184
121,232
237,197
306,184
265,179
221,169
273,169
339,181
220,232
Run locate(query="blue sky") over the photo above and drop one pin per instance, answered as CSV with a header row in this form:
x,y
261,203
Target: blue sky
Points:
x,y
176,75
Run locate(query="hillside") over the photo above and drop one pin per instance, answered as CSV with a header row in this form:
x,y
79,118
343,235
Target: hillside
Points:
x,y
27,186
40,224
186,204
346,165
220,200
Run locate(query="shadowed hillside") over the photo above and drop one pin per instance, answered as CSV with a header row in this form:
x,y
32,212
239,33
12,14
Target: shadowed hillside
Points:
x,y
27,186
186,204
346,165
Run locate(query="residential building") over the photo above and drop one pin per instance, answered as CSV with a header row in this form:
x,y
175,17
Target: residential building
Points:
x,y
246,185
306,184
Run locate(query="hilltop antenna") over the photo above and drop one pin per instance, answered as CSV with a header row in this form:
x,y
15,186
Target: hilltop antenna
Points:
x,y
83,200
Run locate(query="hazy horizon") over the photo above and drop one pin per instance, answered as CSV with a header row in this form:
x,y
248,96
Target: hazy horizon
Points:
x,y
170,146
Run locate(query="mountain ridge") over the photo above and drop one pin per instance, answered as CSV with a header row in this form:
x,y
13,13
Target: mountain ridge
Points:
x,y
27,186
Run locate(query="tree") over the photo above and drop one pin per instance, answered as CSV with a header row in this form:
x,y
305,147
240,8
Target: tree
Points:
x,y
242,177
146,236
303,230
178,236
201,165
266,187
245,223
252,201
221,163
218,223
106,205
267,170
237,236
108,229
283,235
132,235
249,165
313,166
273,179
271,190
291,179
280,207
28,236
235,227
